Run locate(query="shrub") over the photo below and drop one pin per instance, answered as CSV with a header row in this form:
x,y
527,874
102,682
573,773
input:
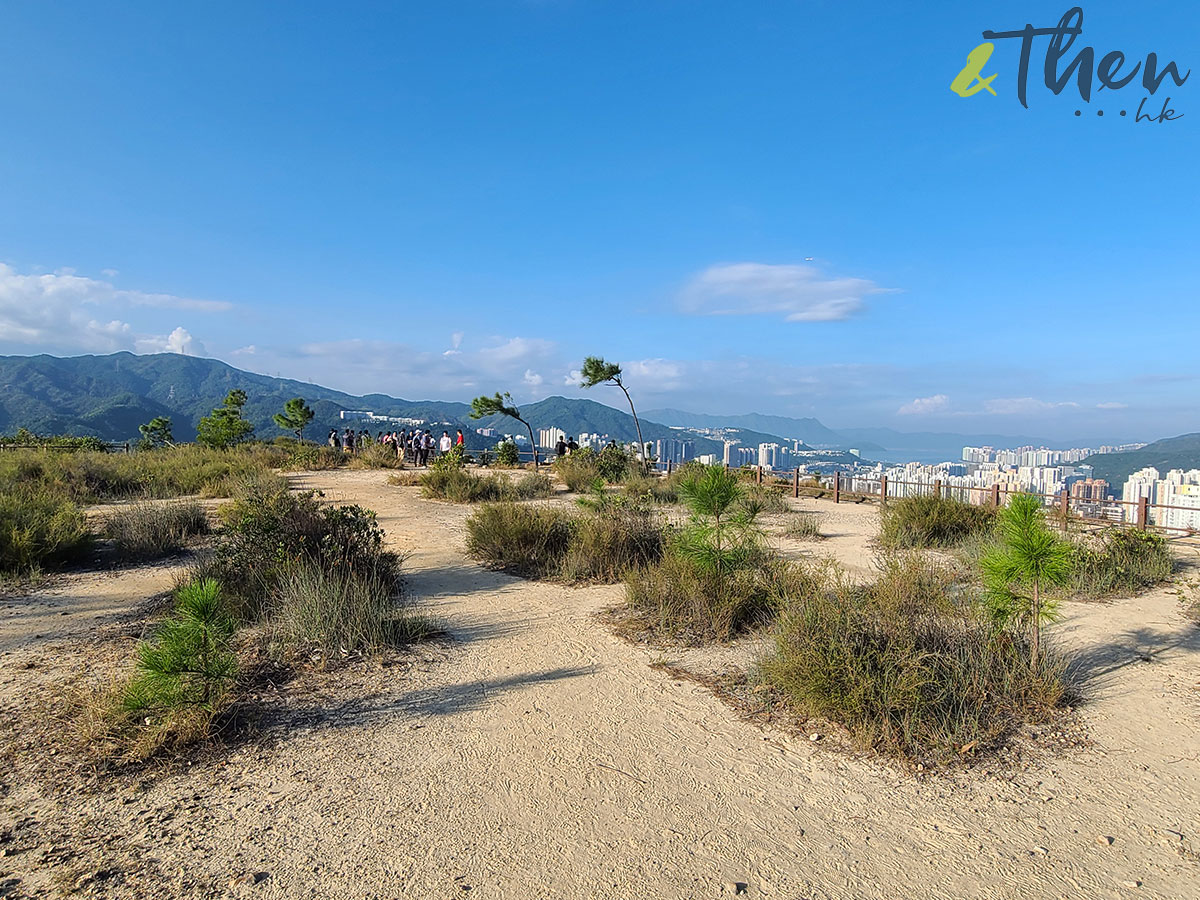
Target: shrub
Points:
x,y
929,521
507,455
804,526
339,609
314,457
525,540
578,470
39,527
268,531
652,488
461,486
190,661
146,529
604,545
614,463
907,670
1120,561
763,498
532,486
87,477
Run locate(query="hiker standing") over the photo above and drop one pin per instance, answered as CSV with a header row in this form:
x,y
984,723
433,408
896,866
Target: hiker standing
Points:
x,y
459,441
571,445
560,449
444,444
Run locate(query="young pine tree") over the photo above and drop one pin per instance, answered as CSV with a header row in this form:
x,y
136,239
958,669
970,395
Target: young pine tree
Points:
x,y
225,427
1028,559
190,662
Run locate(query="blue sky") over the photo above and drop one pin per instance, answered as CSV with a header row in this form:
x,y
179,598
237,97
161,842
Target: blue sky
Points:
x,y
774,207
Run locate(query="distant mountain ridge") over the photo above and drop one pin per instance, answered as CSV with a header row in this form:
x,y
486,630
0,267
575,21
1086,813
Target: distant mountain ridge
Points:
x,y
808,430
1180,452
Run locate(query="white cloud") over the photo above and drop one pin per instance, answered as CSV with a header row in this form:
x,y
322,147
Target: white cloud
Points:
x,y
798,293
1024,406
1112,404
532,378
65,311
456,340
925,405
109,273
572,378
248,350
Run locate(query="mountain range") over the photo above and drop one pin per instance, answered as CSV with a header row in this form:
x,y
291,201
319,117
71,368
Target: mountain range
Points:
x,y
110,396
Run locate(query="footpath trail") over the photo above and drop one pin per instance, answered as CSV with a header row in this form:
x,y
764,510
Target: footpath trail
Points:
x,y
534,754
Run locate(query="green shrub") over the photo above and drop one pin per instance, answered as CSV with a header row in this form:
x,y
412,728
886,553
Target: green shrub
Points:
x,y
908,670
461,486
614,463
26,438
605,545
39,528
308,457
531,486
531,541
339,609
269,531
1120,561
652,488
804,526
929,521
145,529
507,455
189,662
675,598
578,470
764,498
88,477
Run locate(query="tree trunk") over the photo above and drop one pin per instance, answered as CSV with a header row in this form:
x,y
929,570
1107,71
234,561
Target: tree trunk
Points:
x,y
1037,624
532,443
638,426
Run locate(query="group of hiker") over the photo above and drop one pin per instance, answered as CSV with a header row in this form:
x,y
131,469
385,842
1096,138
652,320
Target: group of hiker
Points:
x,y
565,447
415,447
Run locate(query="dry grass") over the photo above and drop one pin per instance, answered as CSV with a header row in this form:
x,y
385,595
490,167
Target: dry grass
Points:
x,y
147,530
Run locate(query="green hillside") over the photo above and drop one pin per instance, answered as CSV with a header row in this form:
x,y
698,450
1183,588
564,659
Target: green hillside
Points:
x,y
1182,452
109,396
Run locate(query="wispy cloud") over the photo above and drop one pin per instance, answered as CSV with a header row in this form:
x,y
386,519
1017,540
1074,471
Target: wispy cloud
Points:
x,y
1024,406
797,292
925,405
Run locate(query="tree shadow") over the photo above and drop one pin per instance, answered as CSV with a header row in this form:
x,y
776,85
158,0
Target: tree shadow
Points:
x,y
444,700
1095,666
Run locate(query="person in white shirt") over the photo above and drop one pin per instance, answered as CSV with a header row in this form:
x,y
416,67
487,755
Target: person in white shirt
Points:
x,y
445,443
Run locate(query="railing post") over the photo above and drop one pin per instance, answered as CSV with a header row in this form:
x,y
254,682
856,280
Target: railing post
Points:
x,y
796,482
883,489
1064,505
758,474
1143,513
837,487
668,467
937,488
996,496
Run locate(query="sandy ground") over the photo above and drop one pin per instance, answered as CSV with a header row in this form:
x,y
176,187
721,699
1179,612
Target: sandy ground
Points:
x,y
534,754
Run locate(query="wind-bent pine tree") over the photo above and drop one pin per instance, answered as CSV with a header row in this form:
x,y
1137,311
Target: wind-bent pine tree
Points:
x,y
502,405
596,371
295,417
1028,558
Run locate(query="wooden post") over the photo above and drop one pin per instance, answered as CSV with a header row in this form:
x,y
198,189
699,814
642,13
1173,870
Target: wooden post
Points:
x,y
1064,506
837,487
758,474
1143,513
796,482
883,489
995,496
668,468
937,488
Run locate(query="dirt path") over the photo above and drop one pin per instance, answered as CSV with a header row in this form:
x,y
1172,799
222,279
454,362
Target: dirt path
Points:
x,y
536,755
